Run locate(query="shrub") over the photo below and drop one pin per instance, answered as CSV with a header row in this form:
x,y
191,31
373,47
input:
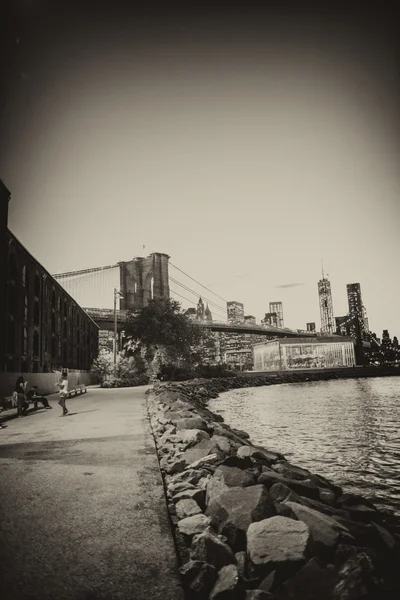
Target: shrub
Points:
x,y
116,382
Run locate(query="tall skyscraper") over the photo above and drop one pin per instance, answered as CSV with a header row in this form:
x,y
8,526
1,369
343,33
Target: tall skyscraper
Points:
x,y
311,327
357,309
235,312
200,310
328,324
277,307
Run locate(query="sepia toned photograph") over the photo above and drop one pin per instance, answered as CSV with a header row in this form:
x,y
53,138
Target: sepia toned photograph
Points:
x,y
199,301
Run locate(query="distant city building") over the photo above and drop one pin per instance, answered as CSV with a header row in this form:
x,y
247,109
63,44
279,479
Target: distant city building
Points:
x,y
311,327
343,325
250,320
191,313
386,341
270,320
200,310
326,305
395,342
235,312
304,353
357,309
207,314
277,307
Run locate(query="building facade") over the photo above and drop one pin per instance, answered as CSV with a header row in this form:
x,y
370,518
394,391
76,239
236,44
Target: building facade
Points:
x,y
235,312
290,354
270,319
277,307
328,324
357,309
311,327
44,329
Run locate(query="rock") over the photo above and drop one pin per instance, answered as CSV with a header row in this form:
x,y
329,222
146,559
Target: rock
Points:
x,y
180,487
175,416
239,462
277,542
190,437
215,488
303,488
326,495
223,444
385,539
173,438
203,482
190,475
193,525
233,511
259,454
241,433
241,563
290,471
312,582
191,423
280,492
234,477
362,532
198,495
201,449
209,459
345,551
198,578
209,548
186,508
228,585
324,530
357,579
269,583
176,466
180,405
258,595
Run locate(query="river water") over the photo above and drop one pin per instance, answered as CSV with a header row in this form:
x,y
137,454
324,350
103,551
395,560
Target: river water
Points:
x,y
346,430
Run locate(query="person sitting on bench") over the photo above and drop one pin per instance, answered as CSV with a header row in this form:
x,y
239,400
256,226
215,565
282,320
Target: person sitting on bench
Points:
x,y
35,397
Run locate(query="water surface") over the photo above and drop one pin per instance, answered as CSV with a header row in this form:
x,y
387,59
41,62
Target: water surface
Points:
x,y
346,430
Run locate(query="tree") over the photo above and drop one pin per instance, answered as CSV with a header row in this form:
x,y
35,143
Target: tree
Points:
x,y
162,335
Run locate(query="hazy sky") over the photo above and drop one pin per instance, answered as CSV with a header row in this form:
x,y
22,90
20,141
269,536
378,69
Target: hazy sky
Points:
x,y
248,146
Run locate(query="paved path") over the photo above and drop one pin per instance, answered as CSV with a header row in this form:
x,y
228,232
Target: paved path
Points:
x,y
82,508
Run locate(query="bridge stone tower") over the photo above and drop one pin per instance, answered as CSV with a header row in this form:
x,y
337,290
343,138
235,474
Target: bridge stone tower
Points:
x,y
142,279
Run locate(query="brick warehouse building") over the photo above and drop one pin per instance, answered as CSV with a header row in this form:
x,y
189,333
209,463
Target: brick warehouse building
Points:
x,y
42,329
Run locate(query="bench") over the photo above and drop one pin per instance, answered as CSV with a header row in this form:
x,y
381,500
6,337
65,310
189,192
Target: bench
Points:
x,y
8,403
77,389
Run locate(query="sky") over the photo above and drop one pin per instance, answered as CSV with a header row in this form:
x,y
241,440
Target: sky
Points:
x,y
248,145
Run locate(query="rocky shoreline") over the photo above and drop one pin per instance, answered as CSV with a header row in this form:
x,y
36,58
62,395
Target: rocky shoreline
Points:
x,y
249,525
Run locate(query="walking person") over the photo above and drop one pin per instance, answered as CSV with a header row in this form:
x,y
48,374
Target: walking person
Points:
x,y
63,384
20,389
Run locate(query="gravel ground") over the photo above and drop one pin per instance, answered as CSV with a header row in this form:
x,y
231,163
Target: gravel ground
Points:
x,y
82,508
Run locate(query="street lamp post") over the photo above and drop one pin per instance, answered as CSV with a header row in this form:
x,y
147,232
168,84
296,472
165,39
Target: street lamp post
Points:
x,y
116,295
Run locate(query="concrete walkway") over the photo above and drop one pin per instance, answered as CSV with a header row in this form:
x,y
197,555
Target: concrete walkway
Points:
x,y
82,508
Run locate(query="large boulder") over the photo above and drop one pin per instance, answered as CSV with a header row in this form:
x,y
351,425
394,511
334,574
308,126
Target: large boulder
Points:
x,y
303,488
234,477
325,531
234,510
193,525
205,461
190,475
215,487
259,454
228,584
190,437
209,548
201,449
312,582
198,579
277,543
280,492
357,579
193,422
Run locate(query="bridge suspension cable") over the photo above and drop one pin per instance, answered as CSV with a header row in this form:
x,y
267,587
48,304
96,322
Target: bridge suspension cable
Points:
x,y
203,286
216,317
198,295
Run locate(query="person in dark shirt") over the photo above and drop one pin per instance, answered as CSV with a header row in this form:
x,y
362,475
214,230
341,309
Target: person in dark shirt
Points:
x,y
22,404
35,397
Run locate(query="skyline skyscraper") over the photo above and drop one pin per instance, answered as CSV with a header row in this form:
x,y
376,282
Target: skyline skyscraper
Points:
x,y
235,312
328,324
356,307
277,307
